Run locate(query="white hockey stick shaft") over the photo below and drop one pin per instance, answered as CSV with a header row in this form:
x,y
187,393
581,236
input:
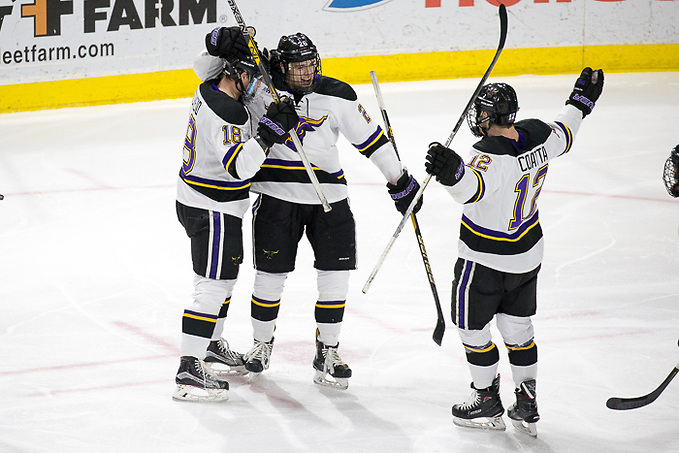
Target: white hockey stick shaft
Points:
x,y
501,45
267,79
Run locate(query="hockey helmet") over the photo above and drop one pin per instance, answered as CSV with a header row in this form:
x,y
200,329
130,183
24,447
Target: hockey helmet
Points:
x,y
292,52
234,67
498,101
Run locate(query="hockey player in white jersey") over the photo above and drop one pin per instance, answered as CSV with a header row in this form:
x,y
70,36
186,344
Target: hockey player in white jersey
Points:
x,y
224,146
500,245
288,206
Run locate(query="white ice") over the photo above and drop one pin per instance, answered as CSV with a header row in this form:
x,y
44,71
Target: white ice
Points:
x,y
95,274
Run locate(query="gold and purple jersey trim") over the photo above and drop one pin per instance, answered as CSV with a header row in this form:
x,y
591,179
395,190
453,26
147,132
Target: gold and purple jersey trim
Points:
x,y
373,143
280,170
230,156
569,136
485,240
213,184
481,190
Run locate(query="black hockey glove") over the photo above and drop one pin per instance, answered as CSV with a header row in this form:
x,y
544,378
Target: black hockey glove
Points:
x,y
403,193
279,119
445,164
228,42
671,173
587,90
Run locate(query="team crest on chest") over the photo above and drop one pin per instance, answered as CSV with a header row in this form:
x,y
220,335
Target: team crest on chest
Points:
x,y
305,125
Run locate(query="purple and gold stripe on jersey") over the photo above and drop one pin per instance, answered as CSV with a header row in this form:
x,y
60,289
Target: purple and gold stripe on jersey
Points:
x,y
280,170
373,143
230,157
198,324
217,190
569,136
485,240
481,188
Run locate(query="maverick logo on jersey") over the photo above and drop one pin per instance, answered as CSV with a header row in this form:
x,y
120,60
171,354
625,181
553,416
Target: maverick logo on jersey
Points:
x,y
115,15
305,125
352,5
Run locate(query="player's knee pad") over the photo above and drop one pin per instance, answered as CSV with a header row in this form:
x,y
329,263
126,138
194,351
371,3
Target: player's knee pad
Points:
x,y
515,330
479,346
209,295
333,285
517,333
269,286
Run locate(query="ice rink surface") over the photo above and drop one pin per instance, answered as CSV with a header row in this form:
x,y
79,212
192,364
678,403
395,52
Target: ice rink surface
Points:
x,y
95,274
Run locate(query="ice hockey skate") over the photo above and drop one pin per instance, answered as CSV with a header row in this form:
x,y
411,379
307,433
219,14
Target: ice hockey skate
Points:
x,y
524,413
483,410
195,383
222,361
257,359
331,371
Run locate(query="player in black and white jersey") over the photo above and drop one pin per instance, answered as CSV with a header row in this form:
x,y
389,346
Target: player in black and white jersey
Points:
x,y
288,206
500,245
224,146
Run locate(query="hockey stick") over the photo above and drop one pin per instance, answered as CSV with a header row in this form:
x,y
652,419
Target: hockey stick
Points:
x,y
503,38
440,322
621,404
267,79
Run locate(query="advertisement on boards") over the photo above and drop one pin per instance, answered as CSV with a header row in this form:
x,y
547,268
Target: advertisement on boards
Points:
x,y
50,40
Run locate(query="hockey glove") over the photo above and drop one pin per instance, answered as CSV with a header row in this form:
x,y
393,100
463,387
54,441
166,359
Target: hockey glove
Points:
x,y
671,173
587,90
279,119
403,193
445,164
228,42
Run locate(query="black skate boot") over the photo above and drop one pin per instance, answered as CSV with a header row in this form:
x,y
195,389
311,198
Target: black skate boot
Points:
x,y
483,409
524,413
257,359
194,383
222,361
327,362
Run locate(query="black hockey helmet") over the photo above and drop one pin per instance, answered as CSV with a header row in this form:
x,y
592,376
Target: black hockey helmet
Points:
x,y
234,67
298,48
499,102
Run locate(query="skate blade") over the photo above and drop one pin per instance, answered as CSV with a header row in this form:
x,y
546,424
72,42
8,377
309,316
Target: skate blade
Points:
x,y
526,428
222,370
197,394
490,423
320,378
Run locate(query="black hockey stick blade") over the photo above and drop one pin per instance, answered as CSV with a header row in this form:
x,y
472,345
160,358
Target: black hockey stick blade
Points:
x,y
622,404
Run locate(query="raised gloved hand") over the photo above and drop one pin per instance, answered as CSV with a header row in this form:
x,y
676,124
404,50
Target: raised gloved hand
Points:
x,y
445,164
279,119
228,42
587,90
403,193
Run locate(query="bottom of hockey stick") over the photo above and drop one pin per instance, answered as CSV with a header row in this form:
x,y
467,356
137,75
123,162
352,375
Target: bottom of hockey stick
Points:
x,y
622,404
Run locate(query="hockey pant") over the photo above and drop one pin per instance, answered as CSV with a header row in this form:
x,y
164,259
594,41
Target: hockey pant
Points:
x,y
333,287
483,355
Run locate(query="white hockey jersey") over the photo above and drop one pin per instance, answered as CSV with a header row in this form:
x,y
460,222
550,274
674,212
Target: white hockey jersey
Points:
x,y
332,109
219,154
500,225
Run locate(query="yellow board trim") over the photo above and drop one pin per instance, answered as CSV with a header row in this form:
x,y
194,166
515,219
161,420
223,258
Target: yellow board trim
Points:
x,y
354,70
